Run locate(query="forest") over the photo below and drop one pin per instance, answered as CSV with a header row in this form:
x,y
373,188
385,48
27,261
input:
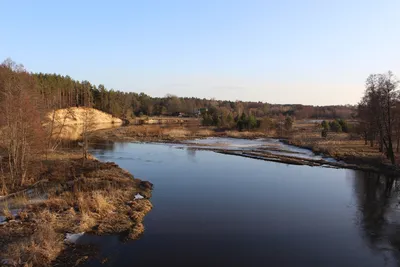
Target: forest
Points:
x,y
57,91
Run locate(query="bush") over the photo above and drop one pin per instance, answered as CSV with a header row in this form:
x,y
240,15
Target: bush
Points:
x,y
288,123
335,126
252,122
325,125
240,125
207,119
344,125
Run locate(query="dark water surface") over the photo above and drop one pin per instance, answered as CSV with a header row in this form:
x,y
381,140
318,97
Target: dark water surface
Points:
x,y
212,209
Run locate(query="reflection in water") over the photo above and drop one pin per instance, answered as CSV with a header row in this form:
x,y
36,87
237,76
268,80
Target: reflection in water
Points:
x,y
191,154
378,204
105,145
273,146
217,210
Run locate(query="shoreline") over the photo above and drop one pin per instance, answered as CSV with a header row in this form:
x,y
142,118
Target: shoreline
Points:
x,y
95,197
354,162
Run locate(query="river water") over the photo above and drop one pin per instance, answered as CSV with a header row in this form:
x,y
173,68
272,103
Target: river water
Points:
x,y
212,209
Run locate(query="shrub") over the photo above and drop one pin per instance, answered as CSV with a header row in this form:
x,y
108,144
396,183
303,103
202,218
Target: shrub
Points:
x,y
344,125
335,126
252,122
288,123
325,125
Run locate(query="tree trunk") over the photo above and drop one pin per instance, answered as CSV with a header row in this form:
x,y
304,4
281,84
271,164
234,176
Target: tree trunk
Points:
x,y
390,151
365,138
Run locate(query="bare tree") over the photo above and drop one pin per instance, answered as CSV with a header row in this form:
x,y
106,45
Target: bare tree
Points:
x,y
88,126
379,101
20,120
56,126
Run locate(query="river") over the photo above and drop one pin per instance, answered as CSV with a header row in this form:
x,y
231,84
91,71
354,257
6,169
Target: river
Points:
x,y
212,209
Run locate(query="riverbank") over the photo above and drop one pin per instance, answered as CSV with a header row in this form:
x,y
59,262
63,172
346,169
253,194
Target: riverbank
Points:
x,y
347,150
73,196
169,133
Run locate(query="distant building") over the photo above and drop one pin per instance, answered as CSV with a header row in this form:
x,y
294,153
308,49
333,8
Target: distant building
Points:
x,y
201,111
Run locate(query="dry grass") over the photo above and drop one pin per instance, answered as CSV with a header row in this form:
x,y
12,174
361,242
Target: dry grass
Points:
x,y
101,205
20,200
248,134
177,133
143,205
97,197
23,215
56,204
339,145
87,222
136,231
7,213
83,203
42,247
47,216
137,215
172,133
204,132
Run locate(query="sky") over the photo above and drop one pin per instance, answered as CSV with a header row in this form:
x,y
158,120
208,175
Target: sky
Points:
x,y
317,52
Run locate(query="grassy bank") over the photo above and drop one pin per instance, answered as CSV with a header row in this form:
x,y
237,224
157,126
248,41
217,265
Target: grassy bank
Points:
x,y
170,133
346,147
72,197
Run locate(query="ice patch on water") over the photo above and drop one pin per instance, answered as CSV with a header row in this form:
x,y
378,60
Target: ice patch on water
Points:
x,y
138,196
73,238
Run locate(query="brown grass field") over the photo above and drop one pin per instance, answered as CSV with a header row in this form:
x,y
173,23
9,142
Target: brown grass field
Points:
x,y
346,146
93,197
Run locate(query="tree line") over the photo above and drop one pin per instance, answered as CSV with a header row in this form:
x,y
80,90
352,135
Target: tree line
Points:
x,y
379,114
57,91
62,91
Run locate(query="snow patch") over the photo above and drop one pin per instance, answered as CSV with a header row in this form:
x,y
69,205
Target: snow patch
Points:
x,y
73,238
138,196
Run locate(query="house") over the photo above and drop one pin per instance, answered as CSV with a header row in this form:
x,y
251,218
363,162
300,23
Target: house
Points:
x,y
201,111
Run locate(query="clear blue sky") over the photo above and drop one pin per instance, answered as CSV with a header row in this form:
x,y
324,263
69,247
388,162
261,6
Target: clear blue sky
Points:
x,y
298,51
